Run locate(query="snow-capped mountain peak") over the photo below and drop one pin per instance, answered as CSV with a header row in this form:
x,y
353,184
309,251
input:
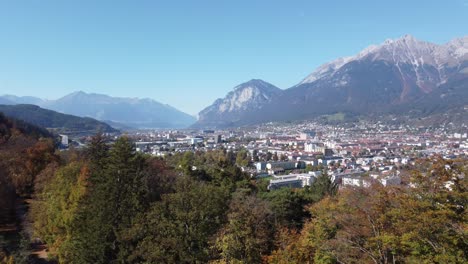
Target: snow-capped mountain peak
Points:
x,y
396,76
404,50
326,69
459,47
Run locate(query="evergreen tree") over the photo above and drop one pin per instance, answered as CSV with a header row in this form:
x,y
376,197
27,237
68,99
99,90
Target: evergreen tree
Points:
x,y
178,229
248,234
127,192
94,235
323,186
242,158
115,192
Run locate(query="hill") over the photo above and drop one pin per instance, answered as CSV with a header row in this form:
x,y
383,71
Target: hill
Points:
x,y
53,120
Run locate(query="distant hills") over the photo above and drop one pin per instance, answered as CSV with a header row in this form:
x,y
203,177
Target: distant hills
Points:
x,y
402,76
12,99
8,124
53,120
121,112
5,101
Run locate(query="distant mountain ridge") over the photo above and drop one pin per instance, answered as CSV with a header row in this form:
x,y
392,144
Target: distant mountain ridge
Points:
x,y
398,75
130,112
5,101
13,99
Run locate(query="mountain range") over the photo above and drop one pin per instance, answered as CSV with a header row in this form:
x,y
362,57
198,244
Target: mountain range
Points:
x,y
116,111
401,76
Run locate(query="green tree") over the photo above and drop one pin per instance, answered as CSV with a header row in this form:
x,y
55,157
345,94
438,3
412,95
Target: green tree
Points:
x,y
321,187
62,201
127,192
248,234
94,204
287,206
179,227
243,158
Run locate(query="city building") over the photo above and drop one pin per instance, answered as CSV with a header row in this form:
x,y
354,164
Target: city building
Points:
x,y
293,181
64,141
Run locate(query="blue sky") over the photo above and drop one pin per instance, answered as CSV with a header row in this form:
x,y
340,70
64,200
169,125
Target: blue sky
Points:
x,y
188,53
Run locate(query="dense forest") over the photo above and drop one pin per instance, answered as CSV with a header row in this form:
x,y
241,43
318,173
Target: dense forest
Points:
x,y
110,204
25,152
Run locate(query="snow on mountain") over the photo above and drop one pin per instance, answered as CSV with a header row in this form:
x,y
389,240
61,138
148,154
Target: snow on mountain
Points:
x,y
397,75
326,69
405,50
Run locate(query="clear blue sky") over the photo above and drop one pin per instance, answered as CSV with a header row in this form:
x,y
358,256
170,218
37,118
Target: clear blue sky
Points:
x,y
188,53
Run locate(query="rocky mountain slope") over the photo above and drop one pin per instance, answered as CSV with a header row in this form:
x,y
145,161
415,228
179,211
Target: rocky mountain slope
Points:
x,y
244,98
405,74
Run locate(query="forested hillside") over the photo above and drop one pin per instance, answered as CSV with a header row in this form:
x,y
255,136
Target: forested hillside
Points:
x,y
109,204
50,119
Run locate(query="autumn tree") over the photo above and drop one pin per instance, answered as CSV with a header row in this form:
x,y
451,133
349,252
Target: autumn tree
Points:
x,y
425,223
61,202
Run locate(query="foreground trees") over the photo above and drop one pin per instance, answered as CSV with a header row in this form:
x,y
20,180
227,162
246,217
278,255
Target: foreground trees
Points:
x,y
178,228
112,205
423,224
25,151
89,204
247,236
